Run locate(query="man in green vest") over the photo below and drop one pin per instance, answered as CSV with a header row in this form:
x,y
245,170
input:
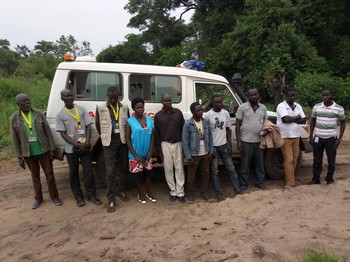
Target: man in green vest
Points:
x,y
33,145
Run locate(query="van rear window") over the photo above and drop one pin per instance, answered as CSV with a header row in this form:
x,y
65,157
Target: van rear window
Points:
x,y
93,86
151,87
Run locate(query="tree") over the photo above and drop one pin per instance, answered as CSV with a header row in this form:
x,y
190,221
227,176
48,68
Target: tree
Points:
x,y
22,51
132,51
63,45
266,43
158,28
9,60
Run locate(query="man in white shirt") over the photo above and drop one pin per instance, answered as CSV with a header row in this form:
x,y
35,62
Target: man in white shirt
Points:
x,y
289,116
219,120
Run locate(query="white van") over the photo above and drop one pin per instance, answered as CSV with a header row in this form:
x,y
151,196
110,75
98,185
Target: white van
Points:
x,y
89,81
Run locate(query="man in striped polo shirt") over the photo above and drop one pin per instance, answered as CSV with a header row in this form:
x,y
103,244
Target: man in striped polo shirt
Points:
x,y
324,124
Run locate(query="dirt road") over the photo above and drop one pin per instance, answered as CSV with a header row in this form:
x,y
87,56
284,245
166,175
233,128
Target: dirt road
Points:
x,y
258,226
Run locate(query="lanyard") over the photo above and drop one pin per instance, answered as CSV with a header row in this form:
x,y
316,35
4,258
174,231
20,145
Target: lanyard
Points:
x,y
75,116
199,127
116,113
28,121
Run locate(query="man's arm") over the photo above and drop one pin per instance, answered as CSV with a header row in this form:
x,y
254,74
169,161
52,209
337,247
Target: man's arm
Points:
x,y
312,128
97,121
238,133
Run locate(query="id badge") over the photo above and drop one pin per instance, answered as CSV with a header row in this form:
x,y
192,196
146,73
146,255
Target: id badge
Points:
x,y
201,143
81,131
32,139
316,139
116,130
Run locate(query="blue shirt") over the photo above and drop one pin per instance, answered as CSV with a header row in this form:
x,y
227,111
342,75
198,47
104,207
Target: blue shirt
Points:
x,y
140,137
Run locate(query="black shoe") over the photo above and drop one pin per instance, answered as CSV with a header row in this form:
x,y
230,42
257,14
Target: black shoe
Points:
x,y
220,198
57,201
95,200
261,186
190,199
123,196
36,204
207,198
314,182
172,198
80,202
329,182
181,200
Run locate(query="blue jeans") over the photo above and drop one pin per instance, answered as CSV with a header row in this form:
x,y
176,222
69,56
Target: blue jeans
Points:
x,y
252,151
221,152
89,181
318,149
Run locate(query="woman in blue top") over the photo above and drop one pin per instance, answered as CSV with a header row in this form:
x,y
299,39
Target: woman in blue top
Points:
x,y
139,139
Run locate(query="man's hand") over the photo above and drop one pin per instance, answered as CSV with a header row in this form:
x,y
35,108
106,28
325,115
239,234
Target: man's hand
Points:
x,y
52,154
160,157
191,162
229,148
336,144
311,140
239,146
264,132
21,163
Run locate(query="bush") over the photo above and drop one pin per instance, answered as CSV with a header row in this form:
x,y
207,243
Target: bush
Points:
x,y
309,86
37,88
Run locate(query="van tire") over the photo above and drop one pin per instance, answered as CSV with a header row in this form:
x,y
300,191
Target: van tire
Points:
x,y
274,163
100,173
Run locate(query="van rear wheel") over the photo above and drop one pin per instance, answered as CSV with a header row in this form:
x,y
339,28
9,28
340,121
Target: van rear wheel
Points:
x,y
274,163
101,170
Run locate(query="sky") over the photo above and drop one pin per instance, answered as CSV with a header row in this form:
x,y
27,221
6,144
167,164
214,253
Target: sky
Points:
x,y
101,22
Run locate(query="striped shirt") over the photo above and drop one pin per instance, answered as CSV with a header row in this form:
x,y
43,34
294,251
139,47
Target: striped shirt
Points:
x,y
326,119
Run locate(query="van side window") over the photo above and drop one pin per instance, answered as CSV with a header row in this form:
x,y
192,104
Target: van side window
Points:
x,y
151,87
204,92
93,85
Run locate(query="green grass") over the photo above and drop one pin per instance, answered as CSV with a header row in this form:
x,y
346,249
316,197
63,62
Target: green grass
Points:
x,y
318,256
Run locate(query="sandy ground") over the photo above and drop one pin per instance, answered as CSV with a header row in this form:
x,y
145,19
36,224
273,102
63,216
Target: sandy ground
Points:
x,y
272,225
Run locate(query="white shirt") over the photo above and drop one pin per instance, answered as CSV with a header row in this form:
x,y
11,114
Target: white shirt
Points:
x,y
289,130
218,123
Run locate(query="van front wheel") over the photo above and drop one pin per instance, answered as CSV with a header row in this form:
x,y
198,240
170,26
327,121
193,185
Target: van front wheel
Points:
x,y
274,163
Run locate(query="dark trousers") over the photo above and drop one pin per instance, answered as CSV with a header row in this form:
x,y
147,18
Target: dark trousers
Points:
x,y
34,163
116,160
89,181
318,149
202,165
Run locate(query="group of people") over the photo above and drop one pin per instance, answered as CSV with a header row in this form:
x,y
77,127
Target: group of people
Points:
x,y
202,140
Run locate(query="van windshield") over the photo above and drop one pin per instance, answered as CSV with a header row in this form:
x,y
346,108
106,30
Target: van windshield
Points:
x,y
205,91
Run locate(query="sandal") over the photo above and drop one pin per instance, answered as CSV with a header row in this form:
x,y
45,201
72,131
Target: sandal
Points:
x,y
151,198
142,201
111,207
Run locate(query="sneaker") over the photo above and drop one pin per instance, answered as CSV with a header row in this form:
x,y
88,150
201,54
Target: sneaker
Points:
x,y
207,198
95,201
80,202
172,198
314,182
111,207
220,198
190,199
181,200
37,203
57,201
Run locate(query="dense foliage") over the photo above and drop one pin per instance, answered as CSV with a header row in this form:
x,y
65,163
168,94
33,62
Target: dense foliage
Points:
x,y
272,43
